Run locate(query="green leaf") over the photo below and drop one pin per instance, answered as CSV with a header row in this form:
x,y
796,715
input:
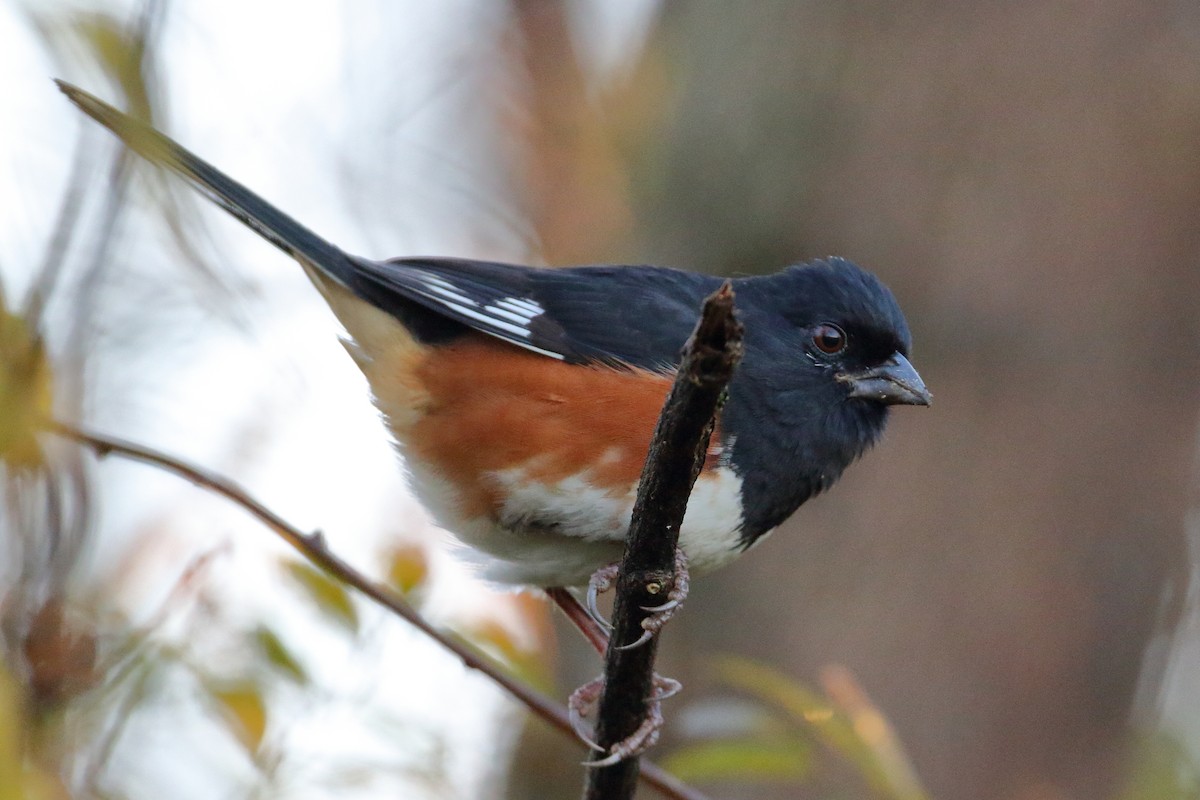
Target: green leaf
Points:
x,y
329,595
1161,769
744,760
774,688
279,656
845,722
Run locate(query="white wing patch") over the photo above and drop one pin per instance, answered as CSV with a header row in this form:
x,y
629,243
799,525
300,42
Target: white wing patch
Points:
x,y
517,309
508,318
440,287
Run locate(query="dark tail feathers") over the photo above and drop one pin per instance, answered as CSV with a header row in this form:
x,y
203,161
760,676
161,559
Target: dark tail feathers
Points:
x,y
260,216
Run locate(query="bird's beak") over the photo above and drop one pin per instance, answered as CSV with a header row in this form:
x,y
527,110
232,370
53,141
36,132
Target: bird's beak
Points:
x,y
894,382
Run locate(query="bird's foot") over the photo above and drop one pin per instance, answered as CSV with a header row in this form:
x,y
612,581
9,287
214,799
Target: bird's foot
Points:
x,y
605,577
602,580
586,698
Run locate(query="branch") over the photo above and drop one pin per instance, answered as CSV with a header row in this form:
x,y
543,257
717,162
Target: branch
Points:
x,y
676,456
313,547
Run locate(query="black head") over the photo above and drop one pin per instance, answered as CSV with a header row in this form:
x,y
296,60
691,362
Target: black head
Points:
x,y
826,355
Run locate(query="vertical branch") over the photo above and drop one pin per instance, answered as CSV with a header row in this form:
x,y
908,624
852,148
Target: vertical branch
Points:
x,y
672,466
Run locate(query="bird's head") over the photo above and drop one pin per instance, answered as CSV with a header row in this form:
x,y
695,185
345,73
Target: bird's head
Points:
x,y
845,339
826,356
853,333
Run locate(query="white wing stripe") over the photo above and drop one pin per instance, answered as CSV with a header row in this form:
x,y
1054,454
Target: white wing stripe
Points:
x,y
517,309
520,304
492,321
501,312
451,294
551,353
435,280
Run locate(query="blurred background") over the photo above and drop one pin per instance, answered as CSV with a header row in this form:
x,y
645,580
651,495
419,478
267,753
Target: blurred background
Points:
x,y
1000,602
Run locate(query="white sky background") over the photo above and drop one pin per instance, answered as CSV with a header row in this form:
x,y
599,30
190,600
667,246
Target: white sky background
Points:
x,y
369,122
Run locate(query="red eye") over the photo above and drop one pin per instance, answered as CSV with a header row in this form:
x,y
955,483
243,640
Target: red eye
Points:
x,y
829,339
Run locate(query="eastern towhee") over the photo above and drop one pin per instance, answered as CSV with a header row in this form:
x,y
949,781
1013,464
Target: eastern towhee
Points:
x,y
523,399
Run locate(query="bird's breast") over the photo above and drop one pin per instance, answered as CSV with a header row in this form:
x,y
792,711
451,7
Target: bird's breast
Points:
x,y
534,463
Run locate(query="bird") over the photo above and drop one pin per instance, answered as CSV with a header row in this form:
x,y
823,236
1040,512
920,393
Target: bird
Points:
x,y
523,399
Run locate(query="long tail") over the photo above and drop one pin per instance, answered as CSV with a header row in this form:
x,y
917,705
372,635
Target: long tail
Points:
x,y
256,213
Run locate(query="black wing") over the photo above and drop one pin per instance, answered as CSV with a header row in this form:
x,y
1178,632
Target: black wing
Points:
x,y
634,315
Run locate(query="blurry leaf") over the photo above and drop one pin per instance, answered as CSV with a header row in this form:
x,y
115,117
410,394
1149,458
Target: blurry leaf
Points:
x,y
745,760
516,636
279,656
847,723
408,569
1161,769
877,750
26,390
20,778
498,642
245,711
119,48
780,691
12,724
329,595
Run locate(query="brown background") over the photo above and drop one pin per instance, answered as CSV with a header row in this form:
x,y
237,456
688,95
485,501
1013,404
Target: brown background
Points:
x,y
1027,179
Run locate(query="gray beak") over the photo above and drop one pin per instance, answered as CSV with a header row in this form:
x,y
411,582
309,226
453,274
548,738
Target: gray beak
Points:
x,y
894,382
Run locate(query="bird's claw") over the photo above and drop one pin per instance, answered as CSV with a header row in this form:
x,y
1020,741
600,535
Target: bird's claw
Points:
x,y
581,703
641,640
585,699
604,578
641,740
661,614
601,581
670,605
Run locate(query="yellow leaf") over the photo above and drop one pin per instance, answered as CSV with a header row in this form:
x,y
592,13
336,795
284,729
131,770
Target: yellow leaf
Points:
x,y
26,391
245,712
12,723
22,777
120,49
497,641
329,595
408,568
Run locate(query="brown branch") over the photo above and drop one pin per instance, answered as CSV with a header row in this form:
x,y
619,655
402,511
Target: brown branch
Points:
x,y
313,547
676,455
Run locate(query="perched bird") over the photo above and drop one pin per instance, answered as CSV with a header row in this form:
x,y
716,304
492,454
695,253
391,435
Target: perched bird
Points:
x,y
523,400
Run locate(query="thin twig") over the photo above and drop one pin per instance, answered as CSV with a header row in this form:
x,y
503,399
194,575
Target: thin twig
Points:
x,y
313,547
676,456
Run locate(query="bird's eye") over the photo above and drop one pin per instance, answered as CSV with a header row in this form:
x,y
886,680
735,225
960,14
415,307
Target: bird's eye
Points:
x,y
829,339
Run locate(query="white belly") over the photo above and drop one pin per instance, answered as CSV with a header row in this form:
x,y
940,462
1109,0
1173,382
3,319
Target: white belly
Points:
x,y
559,533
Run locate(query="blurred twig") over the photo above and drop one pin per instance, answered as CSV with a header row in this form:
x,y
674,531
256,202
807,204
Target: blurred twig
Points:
x,y
313,547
